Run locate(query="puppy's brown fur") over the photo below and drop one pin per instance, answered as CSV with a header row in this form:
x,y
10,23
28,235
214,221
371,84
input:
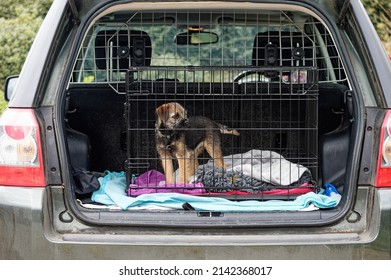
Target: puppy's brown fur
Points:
x,y
185,138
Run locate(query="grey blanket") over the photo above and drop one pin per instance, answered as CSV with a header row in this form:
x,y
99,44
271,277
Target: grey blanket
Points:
x,y
218,180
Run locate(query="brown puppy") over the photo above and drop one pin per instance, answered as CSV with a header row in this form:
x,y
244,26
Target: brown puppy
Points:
x,y
185,138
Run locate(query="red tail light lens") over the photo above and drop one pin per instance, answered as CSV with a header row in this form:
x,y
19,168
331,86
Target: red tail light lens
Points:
x,y
383,174
17,132
20,149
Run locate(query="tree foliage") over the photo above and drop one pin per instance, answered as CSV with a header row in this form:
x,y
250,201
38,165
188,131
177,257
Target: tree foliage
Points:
x,y
10,8
19,23
380,13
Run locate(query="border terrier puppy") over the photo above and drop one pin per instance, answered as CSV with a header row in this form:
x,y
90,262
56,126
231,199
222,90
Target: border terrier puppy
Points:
x,y
185,138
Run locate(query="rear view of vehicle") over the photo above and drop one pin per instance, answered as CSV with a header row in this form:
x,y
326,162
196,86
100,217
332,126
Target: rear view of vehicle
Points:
x,y
200,130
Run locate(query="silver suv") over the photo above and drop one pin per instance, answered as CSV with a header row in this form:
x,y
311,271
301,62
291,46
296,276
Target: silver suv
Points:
x,y
192,129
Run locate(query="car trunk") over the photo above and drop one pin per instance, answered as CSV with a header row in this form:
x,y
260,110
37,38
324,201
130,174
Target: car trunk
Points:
x,y
285,93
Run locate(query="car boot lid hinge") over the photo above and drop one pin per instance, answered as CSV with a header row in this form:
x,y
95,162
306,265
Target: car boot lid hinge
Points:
x,y
74,11
342,14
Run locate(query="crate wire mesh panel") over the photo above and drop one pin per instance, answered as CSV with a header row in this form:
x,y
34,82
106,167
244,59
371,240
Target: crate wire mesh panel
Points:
x,y
273,108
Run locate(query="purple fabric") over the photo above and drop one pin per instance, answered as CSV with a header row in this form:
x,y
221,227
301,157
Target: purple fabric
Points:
x,y
150,182
151,178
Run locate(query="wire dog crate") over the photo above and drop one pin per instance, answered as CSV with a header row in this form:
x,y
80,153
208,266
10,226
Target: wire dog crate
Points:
x,y
275,110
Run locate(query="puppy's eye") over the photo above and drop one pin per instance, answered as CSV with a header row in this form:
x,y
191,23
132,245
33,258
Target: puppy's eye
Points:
x,y
176,116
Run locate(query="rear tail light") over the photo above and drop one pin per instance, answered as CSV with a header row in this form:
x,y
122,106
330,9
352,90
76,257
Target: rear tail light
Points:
x,y
383,174
20,149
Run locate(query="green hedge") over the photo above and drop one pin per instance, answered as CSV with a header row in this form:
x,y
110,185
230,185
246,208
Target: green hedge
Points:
x,y
380,14
3,103
19,23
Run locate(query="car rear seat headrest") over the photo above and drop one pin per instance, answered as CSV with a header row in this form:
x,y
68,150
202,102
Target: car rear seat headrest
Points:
x,y
125,48
276,48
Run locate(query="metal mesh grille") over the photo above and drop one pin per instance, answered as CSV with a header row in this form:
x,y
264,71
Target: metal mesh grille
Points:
x,y
100,59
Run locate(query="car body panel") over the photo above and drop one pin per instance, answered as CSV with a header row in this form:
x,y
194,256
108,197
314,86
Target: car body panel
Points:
x,y
27,233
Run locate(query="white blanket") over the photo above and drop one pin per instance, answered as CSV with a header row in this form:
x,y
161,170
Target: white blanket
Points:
x,y
266,166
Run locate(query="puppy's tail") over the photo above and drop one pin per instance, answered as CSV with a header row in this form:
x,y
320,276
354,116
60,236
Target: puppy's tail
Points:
x,y
226,130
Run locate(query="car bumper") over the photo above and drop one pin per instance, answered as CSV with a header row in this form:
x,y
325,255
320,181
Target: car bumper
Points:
x,y
34,224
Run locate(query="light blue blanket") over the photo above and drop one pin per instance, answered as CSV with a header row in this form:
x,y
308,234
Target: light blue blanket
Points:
x,y
113,185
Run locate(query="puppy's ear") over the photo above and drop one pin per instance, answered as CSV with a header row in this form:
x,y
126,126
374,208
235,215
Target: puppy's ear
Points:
x,y
185,120
182,110
157,122
159,115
